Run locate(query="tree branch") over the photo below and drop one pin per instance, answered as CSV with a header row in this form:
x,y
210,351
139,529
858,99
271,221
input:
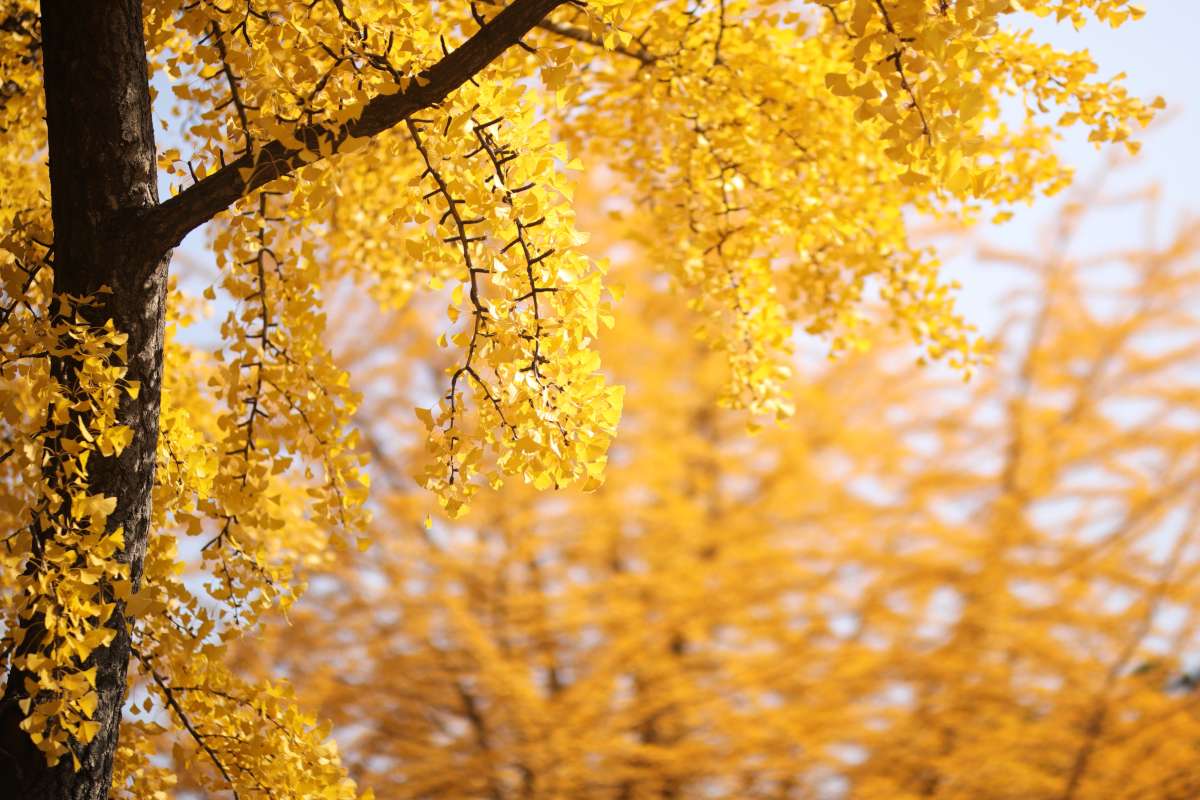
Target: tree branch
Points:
x,y
585,36
199,738
165,225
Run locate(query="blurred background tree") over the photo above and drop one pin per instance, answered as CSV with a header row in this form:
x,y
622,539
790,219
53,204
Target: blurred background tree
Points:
x,y
919,589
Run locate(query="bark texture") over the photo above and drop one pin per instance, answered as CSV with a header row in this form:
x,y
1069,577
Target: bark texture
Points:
x,y
102,176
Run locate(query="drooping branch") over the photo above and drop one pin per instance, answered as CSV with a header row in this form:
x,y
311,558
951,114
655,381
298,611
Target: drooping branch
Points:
x,y
198,737
164,226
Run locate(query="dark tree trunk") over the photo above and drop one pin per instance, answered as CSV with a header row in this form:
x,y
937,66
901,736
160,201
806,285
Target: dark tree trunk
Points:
x,y
102,177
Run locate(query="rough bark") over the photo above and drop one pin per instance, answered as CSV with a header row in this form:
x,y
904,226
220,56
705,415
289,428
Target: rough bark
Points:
x,y
102,174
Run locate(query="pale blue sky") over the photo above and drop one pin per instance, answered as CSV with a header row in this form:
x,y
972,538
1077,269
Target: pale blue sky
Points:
x,y
1161,56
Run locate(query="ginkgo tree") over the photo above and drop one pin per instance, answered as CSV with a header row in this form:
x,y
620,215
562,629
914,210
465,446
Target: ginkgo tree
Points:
x,y
779,149
924,589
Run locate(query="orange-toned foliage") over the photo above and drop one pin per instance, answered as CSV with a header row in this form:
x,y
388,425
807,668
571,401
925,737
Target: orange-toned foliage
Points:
x,y
916,589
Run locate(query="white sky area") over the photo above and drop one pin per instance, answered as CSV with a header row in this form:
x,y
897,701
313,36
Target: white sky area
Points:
x,y
1161,56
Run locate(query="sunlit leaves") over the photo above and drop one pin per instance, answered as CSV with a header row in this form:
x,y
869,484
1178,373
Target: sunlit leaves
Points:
x,y
530,304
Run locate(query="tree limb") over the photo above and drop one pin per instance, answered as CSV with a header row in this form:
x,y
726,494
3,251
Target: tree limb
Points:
x,y
165,225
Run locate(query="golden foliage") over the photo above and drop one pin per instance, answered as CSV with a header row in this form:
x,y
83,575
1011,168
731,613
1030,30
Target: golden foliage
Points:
x,y
919,589
777,155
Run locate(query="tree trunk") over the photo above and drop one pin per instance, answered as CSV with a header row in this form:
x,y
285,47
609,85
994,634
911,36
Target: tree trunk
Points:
x,y
102,176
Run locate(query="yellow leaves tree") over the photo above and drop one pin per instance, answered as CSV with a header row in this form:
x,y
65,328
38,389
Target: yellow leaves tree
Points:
x,y
922,589
160,494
